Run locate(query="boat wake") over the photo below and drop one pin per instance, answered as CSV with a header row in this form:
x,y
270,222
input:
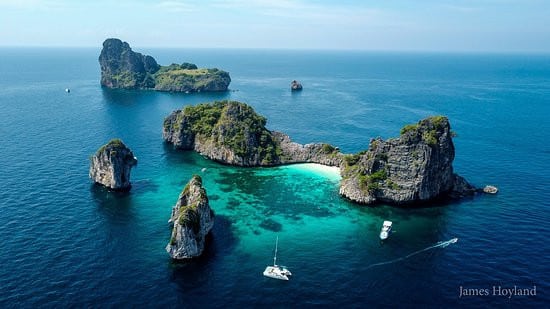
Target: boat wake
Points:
x,y
440,244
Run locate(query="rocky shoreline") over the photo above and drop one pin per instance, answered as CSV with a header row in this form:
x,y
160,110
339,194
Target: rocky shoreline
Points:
x,y
123,68
415,167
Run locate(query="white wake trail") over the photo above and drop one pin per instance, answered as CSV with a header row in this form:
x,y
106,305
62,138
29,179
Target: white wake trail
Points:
x,y
441,244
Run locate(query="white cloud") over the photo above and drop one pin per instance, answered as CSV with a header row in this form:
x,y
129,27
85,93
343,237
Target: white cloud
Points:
x,y
32,4
462,9
310,13
263,4
176,6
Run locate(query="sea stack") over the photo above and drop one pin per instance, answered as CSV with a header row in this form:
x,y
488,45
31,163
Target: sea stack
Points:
x,y
192,220
413,168
295,85
110,166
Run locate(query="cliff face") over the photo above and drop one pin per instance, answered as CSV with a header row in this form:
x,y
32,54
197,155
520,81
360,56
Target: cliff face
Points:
x,y
111,165
415,167
292,152
123,68
232,133
192,220
226,131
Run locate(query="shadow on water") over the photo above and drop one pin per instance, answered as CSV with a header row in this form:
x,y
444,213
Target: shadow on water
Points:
x,y
144,185
130,97
178,157
414,226
114,205
220,243
432,209
199,97
125,97
296,94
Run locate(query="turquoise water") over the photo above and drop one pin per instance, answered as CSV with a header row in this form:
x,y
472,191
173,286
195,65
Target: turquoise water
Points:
x,y
65,241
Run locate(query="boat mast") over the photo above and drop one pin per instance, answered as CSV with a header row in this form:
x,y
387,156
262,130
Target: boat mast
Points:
x,y
275,257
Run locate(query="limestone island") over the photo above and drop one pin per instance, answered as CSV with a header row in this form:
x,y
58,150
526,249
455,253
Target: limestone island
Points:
x,y
123,68
415,167
192,220
110,166
295,85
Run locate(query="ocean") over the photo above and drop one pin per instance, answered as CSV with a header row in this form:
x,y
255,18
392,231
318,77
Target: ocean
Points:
x,y
66,242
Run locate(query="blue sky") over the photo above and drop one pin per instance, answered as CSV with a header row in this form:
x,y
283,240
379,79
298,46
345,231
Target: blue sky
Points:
x,y
444,25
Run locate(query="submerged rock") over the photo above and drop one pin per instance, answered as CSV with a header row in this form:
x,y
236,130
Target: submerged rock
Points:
x,y
295,85
111,165
123,68
415,167
192,220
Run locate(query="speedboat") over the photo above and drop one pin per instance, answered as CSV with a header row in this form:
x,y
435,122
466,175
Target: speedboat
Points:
x,y
386,230
277,271
490,189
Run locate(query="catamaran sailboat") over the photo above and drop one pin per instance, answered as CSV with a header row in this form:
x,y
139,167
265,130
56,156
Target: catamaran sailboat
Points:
x,y
277,271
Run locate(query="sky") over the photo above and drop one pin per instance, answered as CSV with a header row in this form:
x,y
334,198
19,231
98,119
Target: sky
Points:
x,y
395,25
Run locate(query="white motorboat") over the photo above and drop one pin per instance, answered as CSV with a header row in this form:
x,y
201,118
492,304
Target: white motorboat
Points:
x,y
386,230
490,189
277,271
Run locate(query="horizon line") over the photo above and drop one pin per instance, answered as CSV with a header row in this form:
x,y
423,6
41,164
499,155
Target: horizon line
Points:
x,y
437,51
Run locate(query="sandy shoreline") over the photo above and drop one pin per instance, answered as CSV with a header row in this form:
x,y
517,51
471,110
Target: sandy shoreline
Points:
x,y
331,172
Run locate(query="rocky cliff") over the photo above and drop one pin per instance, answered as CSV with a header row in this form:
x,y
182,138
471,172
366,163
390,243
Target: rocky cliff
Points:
x,y
123,68
111,165
415,167
292,152
295,85
192,220
233,133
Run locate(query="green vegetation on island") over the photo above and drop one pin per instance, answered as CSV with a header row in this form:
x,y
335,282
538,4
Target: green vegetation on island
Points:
x,y
415,166
123,68
434,124
112,144
110,165
192,220
232,125
189,215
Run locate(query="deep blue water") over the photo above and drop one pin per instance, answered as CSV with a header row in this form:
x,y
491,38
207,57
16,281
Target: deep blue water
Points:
x,y
64,241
